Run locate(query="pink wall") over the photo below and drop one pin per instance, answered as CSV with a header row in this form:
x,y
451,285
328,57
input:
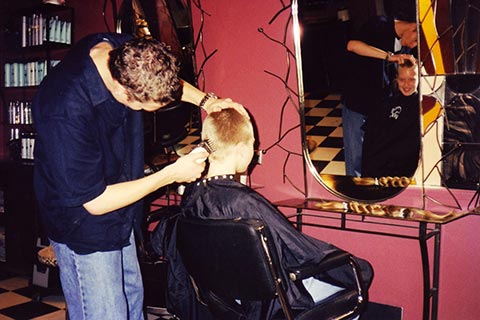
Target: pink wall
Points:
x,y
237,71
89,17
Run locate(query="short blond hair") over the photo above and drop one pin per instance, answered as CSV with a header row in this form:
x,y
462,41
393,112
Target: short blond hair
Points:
x,y
225,129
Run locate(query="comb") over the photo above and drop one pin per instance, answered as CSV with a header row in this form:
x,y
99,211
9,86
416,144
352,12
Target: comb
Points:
x,y
207,144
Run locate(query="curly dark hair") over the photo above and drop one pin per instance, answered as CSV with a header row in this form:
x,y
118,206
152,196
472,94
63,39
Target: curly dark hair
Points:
x,y
147,69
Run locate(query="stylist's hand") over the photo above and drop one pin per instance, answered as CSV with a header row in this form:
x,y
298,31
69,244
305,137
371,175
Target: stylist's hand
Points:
x,y
400,58
188,168
215,105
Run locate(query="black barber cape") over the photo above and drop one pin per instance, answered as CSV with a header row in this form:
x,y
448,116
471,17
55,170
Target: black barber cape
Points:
x,y
226,198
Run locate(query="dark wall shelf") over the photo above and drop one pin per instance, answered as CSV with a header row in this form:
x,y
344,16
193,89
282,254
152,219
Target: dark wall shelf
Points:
x,y
33,37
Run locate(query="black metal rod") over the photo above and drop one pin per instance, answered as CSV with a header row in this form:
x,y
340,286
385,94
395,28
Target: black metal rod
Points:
x,y
299,220
436,271
379,233
425,270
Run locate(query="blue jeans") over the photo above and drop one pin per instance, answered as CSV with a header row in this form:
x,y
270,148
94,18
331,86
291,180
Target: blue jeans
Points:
x,y
101,285
353,140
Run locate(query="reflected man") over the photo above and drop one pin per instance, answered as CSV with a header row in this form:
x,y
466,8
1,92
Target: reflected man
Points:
x,y
367,82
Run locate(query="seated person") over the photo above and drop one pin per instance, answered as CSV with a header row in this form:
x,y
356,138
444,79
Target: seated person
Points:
x,y
391,145
218,195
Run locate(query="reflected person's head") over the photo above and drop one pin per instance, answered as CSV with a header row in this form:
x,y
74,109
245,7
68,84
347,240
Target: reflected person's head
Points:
x,y
148,72
231,136
407,78
407,31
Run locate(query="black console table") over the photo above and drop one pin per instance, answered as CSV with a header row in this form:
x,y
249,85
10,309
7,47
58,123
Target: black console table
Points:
x,y
407,223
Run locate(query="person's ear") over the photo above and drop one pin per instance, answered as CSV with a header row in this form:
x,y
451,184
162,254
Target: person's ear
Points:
x,y
244,153
118,89
241,149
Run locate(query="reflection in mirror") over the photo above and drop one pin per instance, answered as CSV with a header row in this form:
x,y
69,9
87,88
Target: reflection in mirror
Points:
x,y
393,135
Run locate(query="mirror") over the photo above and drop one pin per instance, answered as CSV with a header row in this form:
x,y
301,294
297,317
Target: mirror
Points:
x,y
326,26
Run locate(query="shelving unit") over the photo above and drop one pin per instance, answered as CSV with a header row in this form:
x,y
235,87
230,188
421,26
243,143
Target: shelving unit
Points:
x,y
32,41
35,42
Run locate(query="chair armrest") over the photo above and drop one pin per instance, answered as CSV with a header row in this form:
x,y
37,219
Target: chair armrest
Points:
x,y
332,261
161,213
351,300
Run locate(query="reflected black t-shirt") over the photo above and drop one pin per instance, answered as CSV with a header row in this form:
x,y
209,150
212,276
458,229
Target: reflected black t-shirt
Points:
x,y
391,145
365,85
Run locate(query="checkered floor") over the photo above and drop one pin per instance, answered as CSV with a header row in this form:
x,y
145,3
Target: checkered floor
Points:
x,y
20,299
190,141
323,121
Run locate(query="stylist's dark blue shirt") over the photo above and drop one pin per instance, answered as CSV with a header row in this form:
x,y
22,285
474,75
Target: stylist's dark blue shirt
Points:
x,y
85,141
364,82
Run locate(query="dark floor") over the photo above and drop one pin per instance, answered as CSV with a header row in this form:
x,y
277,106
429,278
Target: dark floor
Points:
x,y
25,297
19,299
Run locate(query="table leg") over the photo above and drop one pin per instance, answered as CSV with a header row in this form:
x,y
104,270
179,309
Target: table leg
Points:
x,y
425,270
436,271
430,291
299,220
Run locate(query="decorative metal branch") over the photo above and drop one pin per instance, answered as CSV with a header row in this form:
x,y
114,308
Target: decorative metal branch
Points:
x,y
291,98
199,45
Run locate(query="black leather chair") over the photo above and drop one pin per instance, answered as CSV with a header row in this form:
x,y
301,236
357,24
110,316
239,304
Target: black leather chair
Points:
x,y
152,266
235,259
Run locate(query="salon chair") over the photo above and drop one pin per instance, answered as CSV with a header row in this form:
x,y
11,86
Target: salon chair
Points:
x,y
235,259
154,267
